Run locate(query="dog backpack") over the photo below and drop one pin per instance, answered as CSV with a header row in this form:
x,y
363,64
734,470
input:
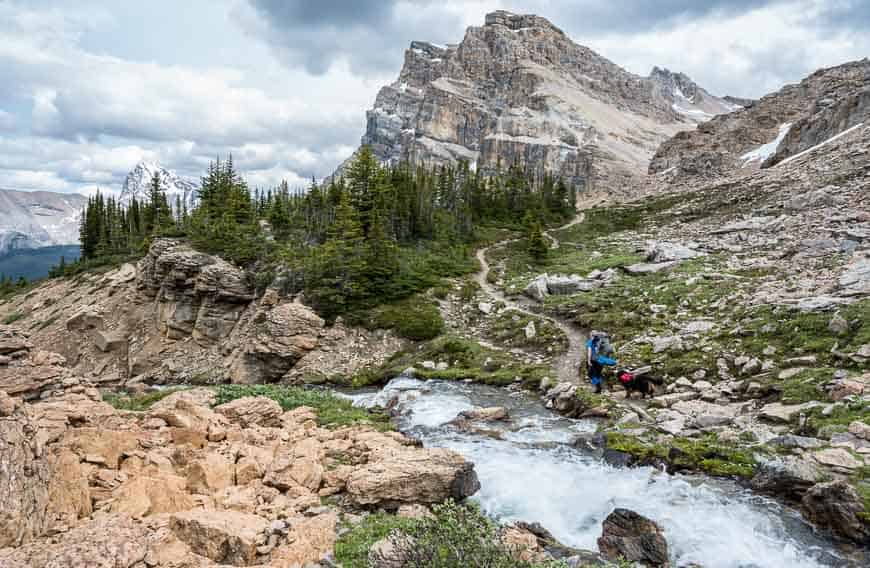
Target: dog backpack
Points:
x,y
625,377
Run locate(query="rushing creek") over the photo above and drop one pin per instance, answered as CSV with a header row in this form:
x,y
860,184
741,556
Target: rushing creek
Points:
x,y
529,471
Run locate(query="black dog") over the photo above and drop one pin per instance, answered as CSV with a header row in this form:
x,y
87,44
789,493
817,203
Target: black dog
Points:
x,y
643,384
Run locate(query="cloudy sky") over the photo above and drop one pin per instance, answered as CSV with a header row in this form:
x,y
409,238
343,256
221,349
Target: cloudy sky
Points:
x,y
88,88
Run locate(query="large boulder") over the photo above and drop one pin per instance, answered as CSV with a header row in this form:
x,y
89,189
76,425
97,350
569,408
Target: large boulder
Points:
x,y
627,535
855,280
278,337
413,475
297,469
197,294
227,537
252,411
837,507
309,541
153,493
669,252
112,541
788,477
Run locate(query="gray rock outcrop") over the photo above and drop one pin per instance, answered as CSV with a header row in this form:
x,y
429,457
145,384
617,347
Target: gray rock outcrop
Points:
x,y
196,294
518,90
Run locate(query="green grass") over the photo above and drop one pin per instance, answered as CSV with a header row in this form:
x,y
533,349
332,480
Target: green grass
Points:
x,y
511,332
14,317
466,358
839,419
48,322
705,454
139,403
332,411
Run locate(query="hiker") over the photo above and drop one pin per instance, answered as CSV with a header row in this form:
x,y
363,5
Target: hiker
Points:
x,y
598,355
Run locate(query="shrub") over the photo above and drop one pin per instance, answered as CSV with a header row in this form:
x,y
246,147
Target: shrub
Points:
x,y
14,317
415,318
456,536
140,403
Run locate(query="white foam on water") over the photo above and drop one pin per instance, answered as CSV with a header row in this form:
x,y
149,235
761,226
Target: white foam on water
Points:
x,y
533,475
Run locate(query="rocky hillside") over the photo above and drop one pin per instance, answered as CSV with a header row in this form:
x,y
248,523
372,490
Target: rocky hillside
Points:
x,y
519,90
179,316
747,297
774,128
33,219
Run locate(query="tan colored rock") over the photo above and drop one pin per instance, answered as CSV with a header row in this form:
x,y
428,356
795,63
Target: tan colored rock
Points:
x,y
848,387
13,340
210,473
192,437
860,429
112,541
413,476
297,467
101,447
281,337
86,318
187,412
243,499
68,493
152,494
837,458
8,404
310,540
107,341
24,471
252,462
492,414
523,545
252,411
223,536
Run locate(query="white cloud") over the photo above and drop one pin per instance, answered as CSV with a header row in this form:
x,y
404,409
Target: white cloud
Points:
x,y
90,90
7,121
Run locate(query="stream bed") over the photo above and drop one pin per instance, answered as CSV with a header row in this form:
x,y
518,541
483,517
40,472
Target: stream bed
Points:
x,y
529,471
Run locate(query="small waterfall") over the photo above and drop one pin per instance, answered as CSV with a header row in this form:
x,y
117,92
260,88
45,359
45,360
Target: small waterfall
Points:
x,y
529,471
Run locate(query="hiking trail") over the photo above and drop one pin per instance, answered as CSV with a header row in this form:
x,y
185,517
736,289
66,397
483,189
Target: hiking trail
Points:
x,y
566,365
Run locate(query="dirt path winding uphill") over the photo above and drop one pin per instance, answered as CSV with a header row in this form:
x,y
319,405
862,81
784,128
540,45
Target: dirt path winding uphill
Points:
x,y
566,365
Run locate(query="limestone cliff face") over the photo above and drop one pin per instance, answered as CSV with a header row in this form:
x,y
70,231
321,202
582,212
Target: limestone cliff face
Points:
x,y
519,90
768,131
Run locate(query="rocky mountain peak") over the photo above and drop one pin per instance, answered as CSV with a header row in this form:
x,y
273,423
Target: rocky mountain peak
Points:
x,y
519,90
137,182
768,131
689,99
517,22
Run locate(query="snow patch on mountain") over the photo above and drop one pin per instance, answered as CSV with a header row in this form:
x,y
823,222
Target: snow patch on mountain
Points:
x,y
765,151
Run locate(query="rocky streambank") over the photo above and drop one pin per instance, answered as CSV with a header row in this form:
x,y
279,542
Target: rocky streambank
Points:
x,y
190,482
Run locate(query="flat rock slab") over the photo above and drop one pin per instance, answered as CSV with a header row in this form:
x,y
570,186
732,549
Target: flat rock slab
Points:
x,y
650,267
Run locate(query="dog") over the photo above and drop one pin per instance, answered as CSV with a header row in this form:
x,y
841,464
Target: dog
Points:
x,y
632,382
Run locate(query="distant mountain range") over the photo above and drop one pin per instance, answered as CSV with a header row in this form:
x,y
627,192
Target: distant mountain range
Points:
x,y
36,219
30,220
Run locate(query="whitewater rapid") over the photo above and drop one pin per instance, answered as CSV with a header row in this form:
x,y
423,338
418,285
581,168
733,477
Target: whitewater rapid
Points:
x,y
529,470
